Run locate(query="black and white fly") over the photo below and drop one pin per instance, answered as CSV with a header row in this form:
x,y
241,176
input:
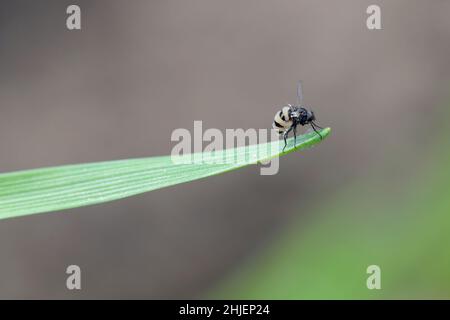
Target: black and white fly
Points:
x,y
289,117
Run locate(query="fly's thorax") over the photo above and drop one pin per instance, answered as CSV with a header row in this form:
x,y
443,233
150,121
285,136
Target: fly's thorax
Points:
x,y
294,113
305,116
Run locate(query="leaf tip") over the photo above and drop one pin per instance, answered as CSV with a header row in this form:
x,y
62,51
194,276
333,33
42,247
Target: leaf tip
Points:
x,y
325,132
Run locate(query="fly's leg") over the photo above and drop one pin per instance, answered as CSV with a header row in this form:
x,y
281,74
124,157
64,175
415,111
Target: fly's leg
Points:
x,y
316,125
285,142
295,135
285,135
314,128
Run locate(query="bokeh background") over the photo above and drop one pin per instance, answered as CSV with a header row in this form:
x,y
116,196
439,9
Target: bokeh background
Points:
x,y
375,192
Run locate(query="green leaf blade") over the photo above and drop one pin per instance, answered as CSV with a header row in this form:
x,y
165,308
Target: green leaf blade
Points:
x,y
57,188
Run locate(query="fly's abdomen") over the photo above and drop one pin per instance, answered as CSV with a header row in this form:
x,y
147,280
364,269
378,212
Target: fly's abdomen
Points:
x,y
282,121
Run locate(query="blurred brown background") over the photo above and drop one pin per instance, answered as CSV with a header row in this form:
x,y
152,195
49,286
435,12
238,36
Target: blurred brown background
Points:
x,y
140,69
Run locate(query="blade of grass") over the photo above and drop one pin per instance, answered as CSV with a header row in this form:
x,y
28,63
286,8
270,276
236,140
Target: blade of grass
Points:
x,y
56,188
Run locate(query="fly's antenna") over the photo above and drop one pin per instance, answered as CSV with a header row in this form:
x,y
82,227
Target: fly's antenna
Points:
x,y
299,94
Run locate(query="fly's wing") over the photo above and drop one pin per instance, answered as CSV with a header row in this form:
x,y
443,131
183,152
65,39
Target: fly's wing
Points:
x,y
299,94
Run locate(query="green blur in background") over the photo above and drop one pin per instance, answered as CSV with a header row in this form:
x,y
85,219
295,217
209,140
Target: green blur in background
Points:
x,y
404,229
